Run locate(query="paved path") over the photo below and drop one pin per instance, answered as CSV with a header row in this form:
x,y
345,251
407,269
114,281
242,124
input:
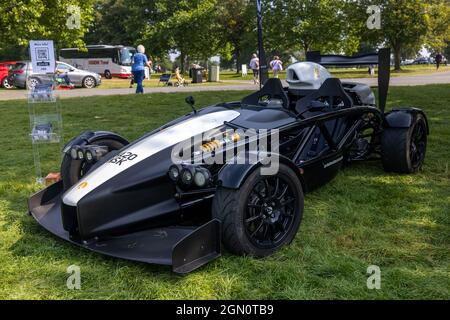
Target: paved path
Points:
x,y
435,78
417,80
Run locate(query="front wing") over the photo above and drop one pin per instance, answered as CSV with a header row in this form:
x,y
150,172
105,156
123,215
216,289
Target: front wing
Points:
x,y
185,248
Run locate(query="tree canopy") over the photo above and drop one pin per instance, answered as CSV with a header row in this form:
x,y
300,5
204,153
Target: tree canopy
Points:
x,y
199,29
24,20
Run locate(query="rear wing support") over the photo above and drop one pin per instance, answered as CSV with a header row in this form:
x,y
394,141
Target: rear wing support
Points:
x,y
382,59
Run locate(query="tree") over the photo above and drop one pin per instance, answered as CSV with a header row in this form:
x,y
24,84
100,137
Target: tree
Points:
x,y
404,24
438,34
24,20
310,25
184,26
447,50
121,21
236,19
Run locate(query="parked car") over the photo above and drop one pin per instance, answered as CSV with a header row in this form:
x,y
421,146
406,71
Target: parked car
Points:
x,y
407,62
422,60
23,69
4,69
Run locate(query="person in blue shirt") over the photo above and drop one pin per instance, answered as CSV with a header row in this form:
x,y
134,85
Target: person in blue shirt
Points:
x,y
138,67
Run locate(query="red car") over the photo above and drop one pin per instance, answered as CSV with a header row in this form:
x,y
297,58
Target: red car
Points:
x,y
4,68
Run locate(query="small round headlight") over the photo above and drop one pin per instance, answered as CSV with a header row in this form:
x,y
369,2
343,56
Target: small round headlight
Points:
x,y
80,154
201,177
89,156
174,173
186,176
74,153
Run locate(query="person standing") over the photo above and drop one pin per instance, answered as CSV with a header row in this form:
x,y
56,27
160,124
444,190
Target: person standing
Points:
x,y
138,67
438,60
277,65
254,65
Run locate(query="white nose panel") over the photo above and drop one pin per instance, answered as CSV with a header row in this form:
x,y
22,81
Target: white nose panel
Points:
x,y
145,148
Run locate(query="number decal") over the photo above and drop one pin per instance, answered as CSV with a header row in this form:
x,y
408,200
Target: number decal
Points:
x,y
122,157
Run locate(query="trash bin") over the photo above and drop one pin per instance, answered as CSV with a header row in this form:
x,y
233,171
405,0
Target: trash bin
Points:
x,y
213,75
197,75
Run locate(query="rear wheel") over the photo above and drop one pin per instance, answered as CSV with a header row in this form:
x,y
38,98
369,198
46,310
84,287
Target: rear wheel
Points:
x,y
108,74
6,84
73,170
403,149
263,215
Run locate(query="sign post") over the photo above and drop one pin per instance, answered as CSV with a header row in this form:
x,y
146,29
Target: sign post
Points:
x,y
263,69
44,111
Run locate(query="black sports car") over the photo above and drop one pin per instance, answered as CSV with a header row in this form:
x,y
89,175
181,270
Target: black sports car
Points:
x,y
133,201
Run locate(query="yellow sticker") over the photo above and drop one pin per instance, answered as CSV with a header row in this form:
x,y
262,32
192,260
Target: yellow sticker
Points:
x,y
83,185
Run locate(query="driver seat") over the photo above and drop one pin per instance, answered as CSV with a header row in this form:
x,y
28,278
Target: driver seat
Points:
x,y
273,89
331,89
336,97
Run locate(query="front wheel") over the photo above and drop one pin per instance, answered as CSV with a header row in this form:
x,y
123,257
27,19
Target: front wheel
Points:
x,y
403,149
33,82
89,82
73,170
108,74
263,215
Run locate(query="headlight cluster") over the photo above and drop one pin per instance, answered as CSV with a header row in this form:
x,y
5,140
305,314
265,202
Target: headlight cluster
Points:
x,y
188,175
89,153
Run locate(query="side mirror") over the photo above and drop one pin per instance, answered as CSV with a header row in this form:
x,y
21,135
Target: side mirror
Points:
x,y
317,106
71,69
190,100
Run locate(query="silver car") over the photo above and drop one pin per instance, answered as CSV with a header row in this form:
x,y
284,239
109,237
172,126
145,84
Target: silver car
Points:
x,y
22,71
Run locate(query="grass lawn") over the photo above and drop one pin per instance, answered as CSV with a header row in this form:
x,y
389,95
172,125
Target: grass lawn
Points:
x,y
363,217
346,73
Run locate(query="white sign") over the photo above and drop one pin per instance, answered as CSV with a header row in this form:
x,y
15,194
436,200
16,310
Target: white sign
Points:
x,y
42,56
244,70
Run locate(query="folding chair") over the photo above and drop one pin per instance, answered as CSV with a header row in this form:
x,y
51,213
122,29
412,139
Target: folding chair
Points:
x,y
165,78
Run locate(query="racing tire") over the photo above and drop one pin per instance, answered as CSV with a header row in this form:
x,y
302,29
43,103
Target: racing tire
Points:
x,y
403,149
89,82
108,74
73,170
261,216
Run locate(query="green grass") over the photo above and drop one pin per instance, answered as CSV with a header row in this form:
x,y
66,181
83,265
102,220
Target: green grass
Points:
x,y
363,217
346,73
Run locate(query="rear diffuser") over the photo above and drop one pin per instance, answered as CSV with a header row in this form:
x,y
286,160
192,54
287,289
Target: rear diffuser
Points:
x,y
184,248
